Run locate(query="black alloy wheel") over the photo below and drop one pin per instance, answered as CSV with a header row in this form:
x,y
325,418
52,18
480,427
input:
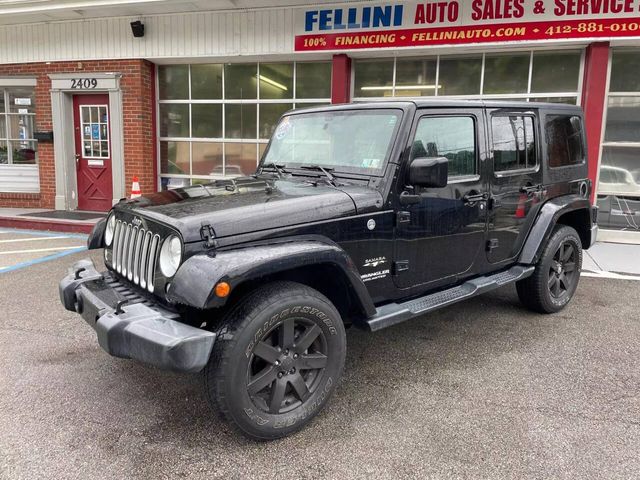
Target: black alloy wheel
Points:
x,y
562,270
277,359
286,366
557,274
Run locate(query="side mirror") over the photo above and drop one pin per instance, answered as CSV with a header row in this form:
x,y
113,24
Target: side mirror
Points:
x,y
430,172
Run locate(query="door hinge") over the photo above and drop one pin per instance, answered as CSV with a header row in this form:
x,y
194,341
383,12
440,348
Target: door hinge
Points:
x,y
400,266
492,244
403,217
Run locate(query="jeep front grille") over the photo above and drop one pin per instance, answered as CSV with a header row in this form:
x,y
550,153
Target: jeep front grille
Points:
x,y
134,254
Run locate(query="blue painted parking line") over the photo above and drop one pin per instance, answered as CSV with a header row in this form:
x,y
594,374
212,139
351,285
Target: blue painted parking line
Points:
x,y
29,263
32,246
39,233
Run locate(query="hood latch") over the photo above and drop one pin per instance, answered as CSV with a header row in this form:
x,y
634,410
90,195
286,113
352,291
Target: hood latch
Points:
x,y
208,235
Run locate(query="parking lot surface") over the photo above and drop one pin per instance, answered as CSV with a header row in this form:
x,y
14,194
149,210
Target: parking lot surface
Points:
x,y
482,389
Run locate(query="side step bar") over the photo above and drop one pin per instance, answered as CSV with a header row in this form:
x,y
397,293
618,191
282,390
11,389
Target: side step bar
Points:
x,y
393,313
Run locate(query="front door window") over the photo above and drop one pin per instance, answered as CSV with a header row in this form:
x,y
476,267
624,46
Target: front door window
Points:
x,y
95,131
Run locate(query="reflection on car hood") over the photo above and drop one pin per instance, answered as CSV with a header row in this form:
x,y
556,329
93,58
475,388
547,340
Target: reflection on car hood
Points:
x,y
250,204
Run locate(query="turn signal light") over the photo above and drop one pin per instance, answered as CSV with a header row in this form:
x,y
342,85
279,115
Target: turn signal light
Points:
x,y
222,289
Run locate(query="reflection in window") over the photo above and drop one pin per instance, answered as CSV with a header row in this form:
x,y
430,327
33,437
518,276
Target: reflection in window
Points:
x,y
373,78
416,78
513,143
506,73
460,76
564,140
450,137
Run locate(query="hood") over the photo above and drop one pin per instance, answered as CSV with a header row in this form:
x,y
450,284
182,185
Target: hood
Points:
x,y
248,204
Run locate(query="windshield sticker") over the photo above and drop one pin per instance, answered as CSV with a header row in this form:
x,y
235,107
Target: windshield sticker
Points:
x,y
283,128
370,163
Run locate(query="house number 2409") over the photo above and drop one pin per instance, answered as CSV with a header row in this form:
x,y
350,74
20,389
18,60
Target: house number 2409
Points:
x,y
84,83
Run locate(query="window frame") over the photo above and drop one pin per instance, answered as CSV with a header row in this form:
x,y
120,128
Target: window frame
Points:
x,y
536,140
260,143
421,114
527,96
5,138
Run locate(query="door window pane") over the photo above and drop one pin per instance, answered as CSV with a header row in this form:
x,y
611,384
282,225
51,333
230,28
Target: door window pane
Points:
x,y
373,78
506,74
623,120
207,158
564,140
269,115
313,80
173,82
460,76
240,81
206,82
276,80
415,78
450,137
174,157
555,72
240,120
206,120
513,143
240,158
174,120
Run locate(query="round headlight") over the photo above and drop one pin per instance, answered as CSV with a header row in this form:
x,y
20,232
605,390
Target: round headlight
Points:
x,y
109,229
170,256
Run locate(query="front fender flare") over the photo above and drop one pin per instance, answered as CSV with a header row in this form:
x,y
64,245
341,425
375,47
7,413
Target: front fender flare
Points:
x,y
194,282
547,218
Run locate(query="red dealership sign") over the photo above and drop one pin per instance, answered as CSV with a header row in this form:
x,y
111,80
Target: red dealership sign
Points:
x,y
410,24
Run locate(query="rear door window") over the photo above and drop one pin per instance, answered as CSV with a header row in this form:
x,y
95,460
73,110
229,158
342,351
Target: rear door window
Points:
x,y
564,140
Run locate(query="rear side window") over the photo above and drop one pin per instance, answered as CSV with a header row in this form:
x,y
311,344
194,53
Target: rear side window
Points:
x,y
514,143
564,140
450,137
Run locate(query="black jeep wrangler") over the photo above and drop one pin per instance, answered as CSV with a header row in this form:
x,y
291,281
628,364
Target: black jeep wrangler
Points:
x,y
364,214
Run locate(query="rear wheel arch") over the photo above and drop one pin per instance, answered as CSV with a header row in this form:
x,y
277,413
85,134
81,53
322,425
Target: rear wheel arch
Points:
x,y
580,221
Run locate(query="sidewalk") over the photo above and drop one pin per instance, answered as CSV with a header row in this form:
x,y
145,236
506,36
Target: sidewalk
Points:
x,y
617,258
53,220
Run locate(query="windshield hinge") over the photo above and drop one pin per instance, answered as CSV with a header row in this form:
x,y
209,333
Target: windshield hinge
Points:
x,y
208,235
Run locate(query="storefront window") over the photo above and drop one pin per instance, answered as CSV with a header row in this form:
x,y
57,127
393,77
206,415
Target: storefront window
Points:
x,y
215,120
619,176
17,126
528,76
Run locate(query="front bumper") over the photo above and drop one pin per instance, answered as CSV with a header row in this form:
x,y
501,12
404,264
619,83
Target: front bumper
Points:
x,y
131,326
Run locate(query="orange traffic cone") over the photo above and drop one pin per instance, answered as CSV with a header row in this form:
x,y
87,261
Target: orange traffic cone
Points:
x,y
520,209
135,188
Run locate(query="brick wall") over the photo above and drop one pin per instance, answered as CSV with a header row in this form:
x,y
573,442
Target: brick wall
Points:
x,y
138,112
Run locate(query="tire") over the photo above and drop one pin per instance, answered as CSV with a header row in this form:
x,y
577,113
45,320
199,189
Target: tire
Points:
x,y
277,360
557,273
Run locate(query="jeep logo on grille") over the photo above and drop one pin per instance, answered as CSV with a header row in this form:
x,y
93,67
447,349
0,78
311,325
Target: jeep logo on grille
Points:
x,y
137,221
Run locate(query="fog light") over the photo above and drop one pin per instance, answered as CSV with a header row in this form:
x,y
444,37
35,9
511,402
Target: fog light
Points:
x,y
222,289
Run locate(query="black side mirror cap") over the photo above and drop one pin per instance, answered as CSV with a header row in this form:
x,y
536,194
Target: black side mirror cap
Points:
x,y
429,172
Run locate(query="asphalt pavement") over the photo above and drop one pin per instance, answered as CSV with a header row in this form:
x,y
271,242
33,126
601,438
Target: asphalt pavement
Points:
x,y
482,389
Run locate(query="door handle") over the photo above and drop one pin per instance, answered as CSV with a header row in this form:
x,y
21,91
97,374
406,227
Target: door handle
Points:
x,y
471,199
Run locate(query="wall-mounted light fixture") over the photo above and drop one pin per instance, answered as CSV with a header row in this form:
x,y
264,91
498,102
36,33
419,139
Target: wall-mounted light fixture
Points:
x,y
137,28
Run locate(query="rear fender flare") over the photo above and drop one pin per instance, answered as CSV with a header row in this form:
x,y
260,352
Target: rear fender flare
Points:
x,y
194,282
547,219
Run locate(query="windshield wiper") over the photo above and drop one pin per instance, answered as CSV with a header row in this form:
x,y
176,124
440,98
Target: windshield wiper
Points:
x,y
279,168
325,171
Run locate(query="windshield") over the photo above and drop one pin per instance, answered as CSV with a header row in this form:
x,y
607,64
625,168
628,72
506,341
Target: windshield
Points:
x,y
355,141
